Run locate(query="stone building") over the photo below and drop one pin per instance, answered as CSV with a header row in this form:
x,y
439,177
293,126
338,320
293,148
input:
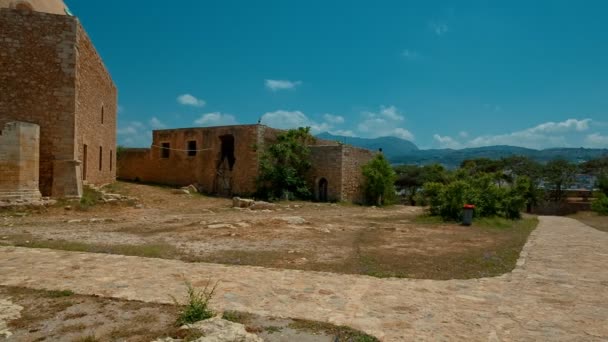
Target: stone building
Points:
x,y
225,161
52,76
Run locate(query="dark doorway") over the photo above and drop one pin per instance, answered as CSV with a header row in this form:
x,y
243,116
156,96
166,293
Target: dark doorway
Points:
x,y
323,190
227,150
225,164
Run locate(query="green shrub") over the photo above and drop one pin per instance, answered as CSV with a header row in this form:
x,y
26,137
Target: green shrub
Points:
x,y
512,203
600,205
379,181
197,305
284,164
432,193
453,198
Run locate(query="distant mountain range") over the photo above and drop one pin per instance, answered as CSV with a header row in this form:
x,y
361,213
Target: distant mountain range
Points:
x,y
401,151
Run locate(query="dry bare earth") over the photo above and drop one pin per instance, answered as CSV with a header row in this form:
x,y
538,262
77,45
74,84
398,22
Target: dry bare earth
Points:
x,y
328,237
65,316
592,219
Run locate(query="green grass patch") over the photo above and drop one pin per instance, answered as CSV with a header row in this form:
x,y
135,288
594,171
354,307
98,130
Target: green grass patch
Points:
x,y
340,333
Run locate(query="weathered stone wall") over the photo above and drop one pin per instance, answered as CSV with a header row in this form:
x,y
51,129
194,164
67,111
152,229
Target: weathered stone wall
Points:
x,y
49,6
19,158
207,168
326,164
353,159
37,72
96,110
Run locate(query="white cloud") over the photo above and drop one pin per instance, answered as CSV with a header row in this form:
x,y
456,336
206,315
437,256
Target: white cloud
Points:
x,y
134,134
189,100
564,126
447,142
343,133
333,119
410,54
597,140
155,123
548,134
463,134
276,85
216,119
284,119
439,28
385,122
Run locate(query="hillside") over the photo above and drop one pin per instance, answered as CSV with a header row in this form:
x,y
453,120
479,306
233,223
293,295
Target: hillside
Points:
x,y
400,151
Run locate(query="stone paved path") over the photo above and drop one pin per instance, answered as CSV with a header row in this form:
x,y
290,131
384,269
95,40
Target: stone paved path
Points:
x,y
558,292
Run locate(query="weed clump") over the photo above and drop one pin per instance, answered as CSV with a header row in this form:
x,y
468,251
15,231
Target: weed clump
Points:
x,y
197,306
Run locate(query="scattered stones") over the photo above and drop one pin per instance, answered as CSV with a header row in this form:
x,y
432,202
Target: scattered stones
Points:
x,y
261,205
238,202
217,329
192,189
180,192
8,312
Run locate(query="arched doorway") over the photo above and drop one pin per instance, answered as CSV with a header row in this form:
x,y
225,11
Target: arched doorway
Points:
x,y
322,190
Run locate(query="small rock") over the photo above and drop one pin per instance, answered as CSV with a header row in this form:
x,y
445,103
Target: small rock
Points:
x,y
217,329
74,221
291,219
243,224
220,225
238,202
180,192
139,206
261,205
68,207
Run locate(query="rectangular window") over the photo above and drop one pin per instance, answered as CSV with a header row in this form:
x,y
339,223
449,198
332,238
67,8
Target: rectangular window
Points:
x,y
84,163
191,148
100,157
111,160
165,150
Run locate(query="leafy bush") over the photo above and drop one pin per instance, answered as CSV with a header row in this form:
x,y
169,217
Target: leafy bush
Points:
x,y
600,205
284,164
453,198
379,181
197,306
433,192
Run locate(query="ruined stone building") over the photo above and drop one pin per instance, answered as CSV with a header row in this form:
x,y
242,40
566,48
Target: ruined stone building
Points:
x,y
52,77
225,161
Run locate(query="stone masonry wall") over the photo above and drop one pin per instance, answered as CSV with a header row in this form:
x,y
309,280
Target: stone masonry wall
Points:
x,y
353,159
37,73
181,169
96,110
326,163
19,158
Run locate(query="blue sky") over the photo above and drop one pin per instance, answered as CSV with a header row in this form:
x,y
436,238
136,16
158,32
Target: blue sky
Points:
x,y
440,73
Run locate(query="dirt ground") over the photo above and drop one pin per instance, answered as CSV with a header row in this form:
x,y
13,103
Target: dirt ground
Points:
x,y
383,242
65,316
592,219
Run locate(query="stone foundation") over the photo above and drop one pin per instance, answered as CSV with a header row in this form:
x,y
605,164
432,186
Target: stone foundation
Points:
x,y
19,162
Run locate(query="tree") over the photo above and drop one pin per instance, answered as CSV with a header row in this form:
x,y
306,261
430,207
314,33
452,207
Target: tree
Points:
x,y
520,166
284,164
559,174
409,178
482,165
379,180
602,183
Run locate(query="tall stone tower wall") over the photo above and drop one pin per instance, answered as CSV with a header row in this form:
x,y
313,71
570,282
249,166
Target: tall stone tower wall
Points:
x,y
19,158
